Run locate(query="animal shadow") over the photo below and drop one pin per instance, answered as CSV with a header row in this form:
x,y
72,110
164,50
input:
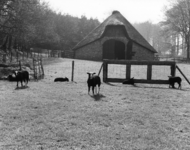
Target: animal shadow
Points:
x,y
97,97
22,87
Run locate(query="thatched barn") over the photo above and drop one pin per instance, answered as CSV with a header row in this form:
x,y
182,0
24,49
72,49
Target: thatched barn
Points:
x,y
115,38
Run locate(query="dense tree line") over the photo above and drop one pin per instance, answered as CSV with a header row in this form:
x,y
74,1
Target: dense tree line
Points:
x,y
30,23
26,24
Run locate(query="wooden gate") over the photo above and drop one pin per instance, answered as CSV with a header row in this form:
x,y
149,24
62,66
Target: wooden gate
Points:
x,y
129,63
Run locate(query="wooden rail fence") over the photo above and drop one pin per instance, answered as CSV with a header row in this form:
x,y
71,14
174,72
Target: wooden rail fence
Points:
x,y
129,63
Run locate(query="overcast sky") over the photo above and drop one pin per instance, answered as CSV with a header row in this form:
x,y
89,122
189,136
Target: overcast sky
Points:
x,y
135,11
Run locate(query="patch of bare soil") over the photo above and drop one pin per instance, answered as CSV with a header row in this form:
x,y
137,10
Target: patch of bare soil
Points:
x,y
62,116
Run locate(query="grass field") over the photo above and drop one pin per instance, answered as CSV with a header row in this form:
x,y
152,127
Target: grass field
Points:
x,y
62,116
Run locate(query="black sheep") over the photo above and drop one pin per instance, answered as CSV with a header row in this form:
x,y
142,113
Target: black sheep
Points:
x,y
11,78
93,81
22,76
173,80
61,79
130,81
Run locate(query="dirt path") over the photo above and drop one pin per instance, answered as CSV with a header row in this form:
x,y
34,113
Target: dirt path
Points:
x,y
49,115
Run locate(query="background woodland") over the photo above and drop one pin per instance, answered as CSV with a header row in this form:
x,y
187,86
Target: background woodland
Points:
x,y
29,25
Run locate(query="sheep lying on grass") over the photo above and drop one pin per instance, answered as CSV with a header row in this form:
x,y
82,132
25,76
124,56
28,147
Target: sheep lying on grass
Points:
x,y
130,81
93,81
22,76
173,80
60,79
11,77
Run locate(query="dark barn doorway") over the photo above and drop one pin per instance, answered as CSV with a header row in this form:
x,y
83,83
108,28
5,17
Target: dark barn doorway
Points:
x,y
113,49
119,50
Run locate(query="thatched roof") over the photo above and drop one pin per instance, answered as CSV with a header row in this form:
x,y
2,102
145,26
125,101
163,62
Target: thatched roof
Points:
x,y
115,19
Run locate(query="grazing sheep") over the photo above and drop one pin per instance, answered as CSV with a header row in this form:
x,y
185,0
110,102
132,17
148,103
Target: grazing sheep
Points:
x,y
130,81
61,79
11,78
173,80
22,76
93,81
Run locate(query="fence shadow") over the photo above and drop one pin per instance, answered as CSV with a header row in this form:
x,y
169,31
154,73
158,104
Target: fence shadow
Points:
x,y
108,83
157,87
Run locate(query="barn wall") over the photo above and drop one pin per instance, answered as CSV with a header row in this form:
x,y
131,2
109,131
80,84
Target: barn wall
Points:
x,y
94,51
91,51
141,53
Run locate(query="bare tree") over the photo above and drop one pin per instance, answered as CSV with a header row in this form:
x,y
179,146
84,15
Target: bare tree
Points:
x,y
178,21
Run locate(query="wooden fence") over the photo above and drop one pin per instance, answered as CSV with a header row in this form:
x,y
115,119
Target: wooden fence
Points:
x,y
129,63
38,68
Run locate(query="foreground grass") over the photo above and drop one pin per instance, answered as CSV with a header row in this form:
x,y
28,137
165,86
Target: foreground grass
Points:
x,y
49,115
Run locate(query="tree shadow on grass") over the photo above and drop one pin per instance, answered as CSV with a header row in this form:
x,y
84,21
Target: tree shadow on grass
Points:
x,y
22,87
97,97
166,87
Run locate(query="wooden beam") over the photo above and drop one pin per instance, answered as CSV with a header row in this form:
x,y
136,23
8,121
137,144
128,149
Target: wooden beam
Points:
x,y
182,74
149,72
139,81
142,62
100,69
128,71
152,81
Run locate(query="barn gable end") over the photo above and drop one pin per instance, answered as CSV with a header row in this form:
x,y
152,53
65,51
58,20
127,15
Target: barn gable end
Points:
x,y
115,38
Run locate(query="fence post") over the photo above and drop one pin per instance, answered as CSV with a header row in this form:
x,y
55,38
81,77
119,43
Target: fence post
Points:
x,y
34,67
73,65
105,71
40,74
149,72
128,71
173,70
42,67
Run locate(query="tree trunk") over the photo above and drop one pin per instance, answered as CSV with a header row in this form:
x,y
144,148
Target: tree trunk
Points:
x,y
17,55
11,53
4,45
4,58
177,45
188,45
188,51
